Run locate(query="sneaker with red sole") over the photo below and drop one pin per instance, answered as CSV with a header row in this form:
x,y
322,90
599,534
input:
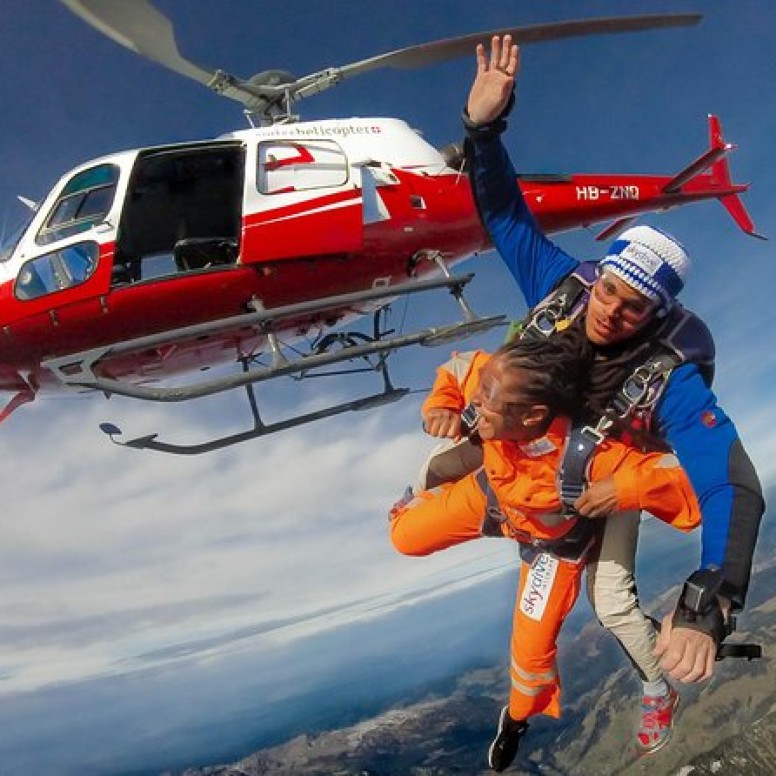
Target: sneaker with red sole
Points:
x,y
657,721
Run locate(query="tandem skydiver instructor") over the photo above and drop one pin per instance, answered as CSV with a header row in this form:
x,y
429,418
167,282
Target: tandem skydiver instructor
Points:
x,y
650,385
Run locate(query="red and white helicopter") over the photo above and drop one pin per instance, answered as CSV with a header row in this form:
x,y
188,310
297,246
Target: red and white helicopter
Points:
x,y
145,267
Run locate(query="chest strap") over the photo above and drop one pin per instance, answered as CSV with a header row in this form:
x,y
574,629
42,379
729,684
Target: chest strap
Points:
x,y
573,471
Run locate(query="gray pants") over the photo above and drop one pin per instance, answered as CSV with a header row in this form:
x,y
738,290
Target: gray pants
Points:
x,y
449,461
611,588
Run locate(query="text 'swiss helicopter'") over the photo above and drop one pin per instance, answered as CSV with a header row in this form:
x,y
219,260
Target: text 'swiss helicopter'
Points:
x,y
145,267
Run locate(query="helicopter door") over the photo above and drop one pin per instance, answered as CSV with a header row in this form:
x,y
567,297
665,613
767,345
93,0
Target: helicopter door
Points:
x,y
305,202
183,212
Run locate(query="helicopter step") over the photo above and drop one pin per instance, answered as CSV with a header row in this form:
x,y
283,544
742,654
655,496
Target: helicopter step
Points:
x,y
82,370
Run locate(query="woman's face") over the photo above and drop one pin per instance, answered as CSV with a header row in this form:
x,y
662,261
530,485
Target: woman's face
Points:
x,y
503,409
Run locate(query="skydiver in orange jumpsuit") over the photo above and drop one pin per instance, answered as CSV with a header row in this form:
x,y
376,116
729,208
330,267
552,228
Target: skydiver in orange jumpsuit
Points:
x,y
524,396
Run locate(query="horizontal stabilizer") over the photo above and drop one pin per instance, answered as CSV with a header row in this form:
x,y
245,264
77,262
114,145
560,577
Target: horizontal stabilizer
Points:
x,y
701,164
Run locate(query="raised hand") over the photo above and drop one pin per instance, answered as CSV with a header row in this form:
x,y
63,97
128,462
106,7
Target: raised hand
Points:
x,y
494,81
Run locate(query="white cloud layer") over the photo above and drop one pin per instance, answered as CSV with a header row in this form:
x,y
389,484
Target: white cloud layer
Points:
x,y
110,554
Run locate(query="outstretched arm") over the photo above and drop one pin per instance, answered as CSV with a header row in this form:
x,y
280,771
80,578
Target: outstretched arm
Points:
x,y
729,491
536,263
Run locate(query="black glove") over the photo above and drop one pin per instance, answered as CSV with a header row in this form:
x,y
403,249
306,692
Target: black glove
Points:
x,y
699,608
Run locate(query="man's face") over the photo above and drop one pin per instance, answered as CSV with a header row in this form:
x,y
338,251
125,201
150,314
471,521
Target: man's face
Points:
x,y
615,311
502,407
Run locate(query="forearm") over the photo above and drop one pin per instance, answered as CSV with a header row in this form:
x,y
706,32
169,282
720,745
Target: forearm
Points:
x,y
535,262
722,475
740,513
657,484
445,394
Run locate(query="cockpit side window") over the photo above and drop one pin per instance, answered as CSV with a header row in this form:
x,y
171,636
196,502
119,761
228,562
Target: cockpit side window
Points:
x,y
57,270
85,201
286,166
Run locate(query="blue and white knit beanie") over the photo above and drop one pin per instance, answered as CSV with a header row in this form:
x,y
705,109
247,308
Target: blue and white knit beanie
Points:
x,y
649,261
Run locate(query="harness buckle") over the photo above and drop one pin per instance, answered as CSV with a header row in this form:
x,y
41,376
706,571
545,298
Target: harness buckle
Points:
x,y
545,320
597,434
495,514
635,389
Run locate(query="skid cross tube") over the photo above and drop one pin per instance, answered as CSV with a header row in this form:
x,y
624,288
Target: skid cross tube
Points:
x,y
78,370
75,369
432,335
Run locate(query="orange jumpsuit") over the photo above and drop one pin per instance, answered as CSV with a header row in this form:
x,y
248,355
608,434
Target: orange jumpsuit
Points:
x,y
523,480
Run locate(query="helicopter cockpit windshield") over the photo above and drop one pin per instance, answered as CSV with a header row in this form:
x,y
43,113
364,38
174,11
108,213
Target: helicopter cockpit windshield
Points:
x,y
85,201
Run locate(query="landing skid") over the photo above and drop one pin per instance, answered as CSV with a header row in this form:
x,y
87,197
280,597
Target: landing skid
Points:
x,y
259,429
79,370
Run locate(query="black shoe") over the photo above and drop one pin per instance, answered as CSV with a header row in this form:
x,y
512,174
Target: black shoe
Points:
x,y
504,748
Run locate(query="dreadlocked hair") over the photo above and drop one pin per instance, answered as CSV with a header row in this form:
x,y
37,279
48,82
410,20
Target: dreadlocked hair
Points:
x,y
558,369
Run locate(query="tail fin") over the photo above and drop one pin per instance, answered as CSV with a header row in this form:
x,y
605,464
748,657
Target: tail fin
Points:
x,y
715,160
720,173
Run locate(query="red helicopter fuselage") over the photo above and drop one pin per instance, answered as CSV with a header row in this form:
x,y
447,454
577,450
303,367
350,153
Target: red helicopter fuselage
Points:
x,y
153,240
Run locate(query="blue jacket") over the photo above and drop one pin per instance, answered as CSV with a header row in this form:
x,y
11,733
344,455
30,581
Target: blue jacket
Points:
x,y
687,415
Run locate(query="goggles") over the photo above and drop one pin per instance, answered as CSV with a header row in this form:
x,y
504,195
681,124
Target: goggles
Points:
x,y
633,310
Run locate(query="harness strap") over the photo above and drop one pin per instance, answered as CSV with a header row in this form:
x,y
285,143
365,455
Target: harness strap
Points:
x,y
635,391
550,316
573,470
494,517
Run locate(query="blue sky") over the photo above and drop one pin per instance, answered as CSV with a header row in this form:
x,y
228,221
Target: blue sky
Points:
x,y
111,560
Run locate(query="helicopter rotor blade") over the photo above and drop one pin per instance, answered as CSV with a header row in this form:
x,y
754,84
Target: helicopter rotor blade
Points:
x,y
140,27
426,54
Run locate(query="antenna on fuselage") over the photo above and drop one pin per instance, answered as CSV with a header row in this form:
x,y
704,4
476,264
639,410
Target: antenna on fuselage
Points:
x,y
31,204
